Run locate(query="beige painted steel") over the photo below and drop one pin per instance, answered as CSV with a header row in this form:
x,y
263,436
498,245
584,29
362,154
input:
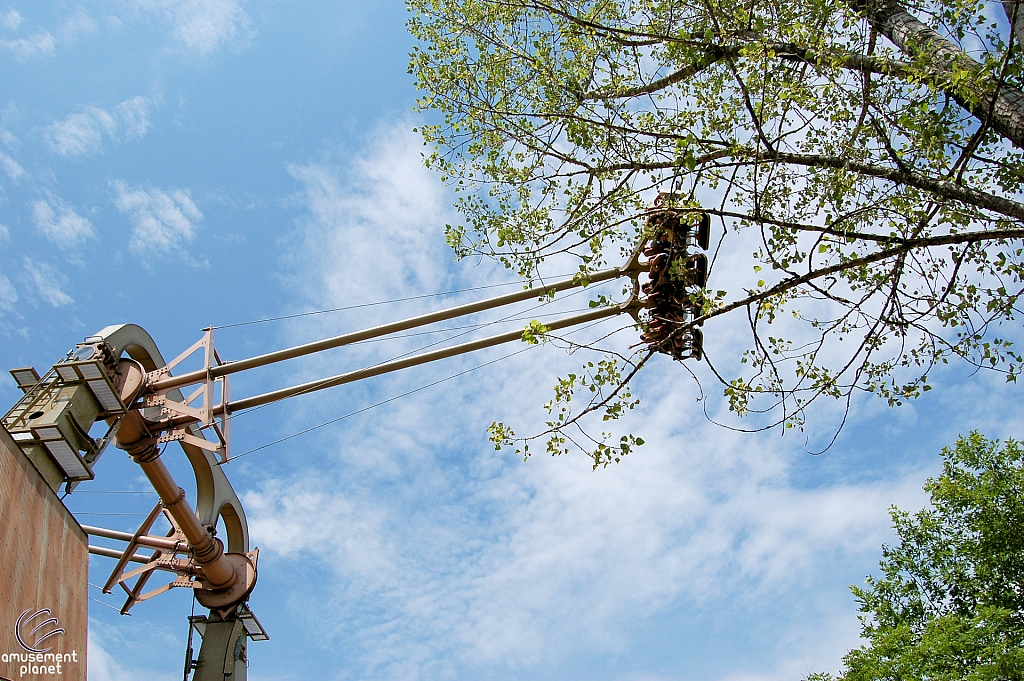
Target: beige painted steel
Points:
x,y
223,655
207,551
142,540
43,565
215,497
114,553
231,576
416,360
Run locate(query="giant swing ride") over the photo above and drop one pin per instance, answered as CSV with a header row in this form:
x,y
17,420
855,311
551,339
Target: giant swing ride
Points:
x,y
118,376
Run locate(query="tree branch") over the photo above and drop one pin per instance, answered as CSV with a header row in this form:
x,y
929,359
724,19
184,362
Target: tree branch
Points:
x,y
785,51
942,188
905,246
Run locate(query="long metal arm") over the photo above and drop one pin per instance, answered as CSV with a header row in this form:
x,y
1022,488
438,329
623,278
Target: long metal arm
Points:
x,y
114,553
152,542
395,365
385,329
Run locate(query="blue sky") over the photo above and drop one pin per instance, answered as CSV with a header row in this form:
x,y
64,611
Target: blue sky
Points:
x,y
176,163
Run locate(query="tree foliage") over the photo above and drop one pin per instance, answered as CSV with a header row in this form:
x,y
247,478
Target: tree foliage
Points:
x,y
862,160
950,601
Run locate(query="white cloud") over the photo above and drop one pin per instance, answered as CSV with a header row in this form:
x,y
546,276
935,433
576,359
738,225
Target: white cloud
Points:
x,y
59,223
11,19
133,114
11,168
206,25
83,133
519,563
80,23
102,667
35,45
105,667
47,282
8,296
384,208
162,221
43,43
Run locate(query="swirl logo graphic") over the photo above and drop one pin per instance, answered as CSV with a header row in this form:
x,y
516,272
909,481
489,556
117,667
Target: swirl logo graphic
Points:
x,y
35,629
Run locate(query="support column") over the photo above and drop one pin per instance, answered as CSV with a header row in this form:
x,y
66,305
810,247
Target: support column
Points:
x,y
222,656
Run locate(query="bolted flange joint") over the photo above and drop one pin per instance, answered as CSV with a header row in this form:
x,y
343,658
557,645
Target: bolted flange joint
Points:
x,y
143,452
208,552
134,436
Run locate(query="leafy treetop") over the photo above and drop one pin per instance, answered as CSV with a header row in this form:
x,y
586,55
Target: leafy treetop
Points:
x,y
950,601
862,160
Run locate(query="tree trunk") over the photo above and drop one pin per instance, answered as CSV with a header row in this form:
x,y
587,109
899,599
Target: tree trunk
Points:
x,y
916,38
1016,20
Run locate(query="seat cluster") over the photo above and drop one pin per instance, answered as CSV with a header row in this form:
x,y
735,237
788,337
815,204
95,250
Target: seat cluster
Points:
x,y
675,275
